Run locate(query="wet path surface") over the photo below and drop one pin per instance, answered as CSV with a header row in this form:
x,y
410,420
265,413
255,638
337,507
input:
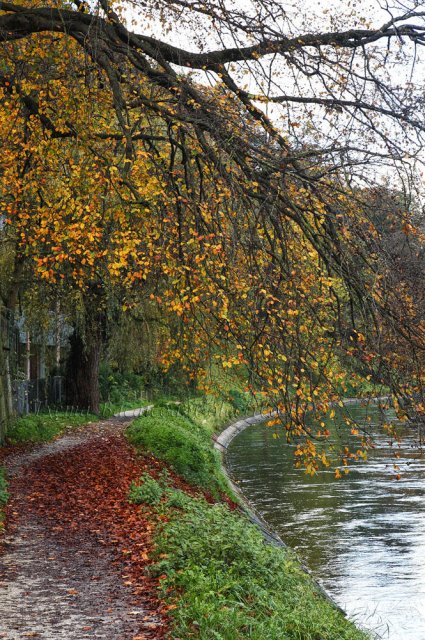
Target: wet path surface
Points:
x,y
54,590
73,560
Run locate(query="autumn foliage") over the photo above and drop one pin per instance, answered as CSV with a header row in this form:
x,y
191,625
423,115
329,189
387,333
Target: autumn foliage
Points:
x,y
125,185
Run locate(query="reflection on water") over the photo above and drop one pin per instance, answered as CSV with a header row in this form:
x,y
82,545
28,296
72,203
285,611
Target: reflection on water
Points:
x,y
363,536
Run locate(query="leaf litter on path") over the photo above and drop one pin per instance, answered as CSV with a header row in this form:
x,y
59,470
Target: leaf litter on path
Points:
x,y
73,560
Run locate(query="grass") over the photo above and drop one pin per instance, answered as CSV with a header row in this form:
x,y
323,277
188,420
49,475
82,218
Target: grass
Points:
x,y
184,444
209,411
218,576
364,388
44,426
224,582
179,433
4,495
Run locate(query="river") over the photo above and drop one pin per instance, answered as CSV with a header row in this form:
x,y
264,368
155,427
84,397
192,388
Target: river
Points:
x,y
363,537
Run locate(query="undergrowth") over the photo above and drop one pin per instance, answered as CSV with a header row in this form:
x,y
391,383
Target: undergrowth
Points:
x,y
224,582
209,411
4,495
149,492
157,493
44,426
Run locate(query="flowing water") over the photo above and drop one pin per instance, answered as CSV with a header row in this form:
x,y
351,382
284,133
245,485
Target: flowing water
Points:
x,y
363,537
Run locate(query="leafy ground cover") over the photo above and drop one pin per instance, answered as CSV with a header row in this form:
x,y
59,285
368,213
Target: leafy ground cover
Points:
x,y
45,426
220,579
225,583
70,506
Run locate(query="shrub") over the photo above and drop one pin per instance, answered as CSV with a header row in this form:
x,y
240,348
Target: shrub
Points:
x,y
183,444
149,492
117,387
242,402
177,499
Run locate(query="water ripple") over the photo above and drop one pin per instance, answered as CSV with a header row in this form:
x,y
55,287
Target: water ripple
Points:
x,y
363,537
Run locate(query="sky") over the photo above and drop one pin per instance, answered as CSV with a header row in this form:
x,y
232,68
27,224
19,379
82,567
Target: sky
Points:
x,y
302,123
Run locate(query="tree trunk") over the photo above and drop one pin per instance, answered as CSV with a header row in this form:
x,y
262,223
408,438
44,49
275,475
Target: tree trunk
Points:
x,y
5,412
82,371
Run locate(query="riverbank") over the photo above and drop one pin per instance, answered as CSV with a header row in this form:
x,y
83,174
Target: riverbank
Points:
x,y
358,535
219,577
169,533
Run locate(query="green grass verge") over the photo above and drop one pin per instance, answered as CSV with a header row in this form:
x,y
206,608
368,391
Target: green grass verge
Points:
x,y
182,443
212,412
179,433
44,426
222,580
226,583
4,495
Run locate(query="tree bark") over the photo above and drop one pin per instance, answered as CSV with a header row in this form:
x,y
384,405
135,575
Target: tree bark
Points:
x,y
82,372
5,409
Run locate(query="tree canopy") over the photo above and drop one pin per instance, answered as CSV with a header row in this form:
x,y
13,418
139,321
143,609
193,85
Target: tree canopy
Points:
x,y
247,167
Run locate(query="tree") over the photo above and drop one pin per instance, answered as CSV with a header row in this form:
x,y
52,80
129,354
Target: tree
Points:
x,y
233,183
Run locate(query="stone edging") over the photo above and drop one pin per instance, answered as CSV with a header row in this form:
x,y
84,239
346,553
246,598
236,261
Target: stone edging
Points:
x,y
133,413
221,443
223,440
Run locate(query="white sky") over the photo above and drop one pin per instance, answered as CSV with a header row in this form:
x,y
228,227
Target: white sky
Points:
x,y
318,126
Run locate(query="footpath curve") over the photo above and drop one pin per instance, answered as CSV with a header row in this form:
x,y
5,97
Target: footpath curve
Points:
x,y
73,558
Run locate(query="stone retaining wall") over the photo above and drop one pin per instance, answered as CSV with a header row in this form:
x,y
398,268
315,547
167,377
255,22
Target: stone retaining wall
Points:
x,y
221,443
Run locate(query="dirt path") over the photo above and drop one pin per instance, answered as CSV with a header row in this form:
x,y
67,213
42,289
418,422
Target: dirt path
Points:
x,y
73,560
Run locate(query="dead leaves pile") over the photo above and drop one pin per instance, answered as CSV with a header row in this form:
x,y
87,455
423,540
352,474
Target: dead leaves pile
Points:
x,y
84,491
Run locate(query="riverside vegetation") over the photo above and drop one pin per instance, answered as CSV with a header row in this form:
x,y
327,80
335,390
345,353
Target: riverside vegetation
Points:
x,y
219,579
4,495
